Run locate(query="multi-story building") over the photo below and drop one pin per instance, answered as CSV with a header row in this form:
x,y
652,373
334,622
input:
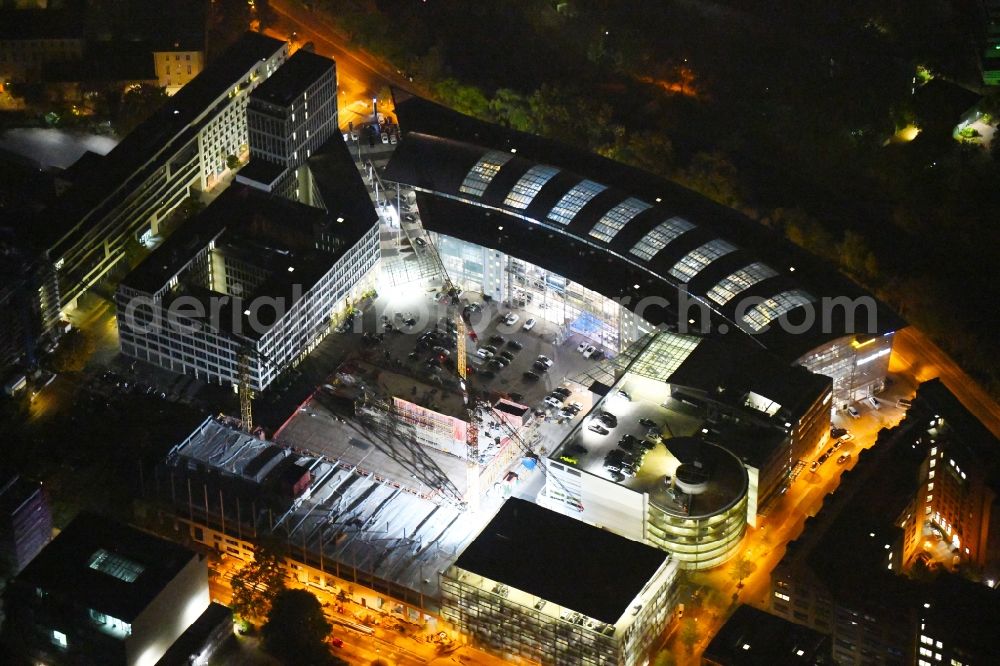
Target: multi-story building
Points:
x,y
104,593
542,586
30,38
25,521
118,200
288,119
953,520
177,66
845,574
254,274
703,437
752,637
614,252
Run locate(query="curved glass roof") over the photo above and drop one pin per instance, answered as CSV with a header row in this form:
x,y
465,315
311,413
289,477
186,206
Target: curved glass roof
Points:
x,y
483,172
574,200
528,186
739,281
615,219
659,237
761,315
698,259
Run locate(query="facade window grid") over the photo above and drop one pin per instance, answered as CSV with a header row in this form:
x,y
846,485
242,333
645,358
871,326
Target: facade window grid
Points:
x,y
762,314
740,281
698,259
661,236
529,185
615,219
483,172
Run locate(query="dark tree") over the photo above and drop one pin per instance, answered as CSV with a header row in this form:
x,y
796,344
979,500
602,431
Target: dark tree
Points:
x,y
258,583
296,630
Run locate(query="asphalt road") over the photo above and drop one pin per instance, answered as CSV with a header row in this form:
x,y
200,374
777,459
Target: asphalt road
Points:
x,y
914,354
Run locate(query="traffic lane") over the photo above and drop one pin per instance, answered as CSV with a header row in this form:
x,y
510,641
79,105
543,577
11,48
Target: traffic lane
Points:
x,y
914,354
315,24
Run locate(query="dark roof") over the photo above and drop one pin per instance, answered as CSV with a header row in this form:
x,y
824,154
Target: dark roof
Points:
x,y
262,171
157,139
562,560
63,22
770,641
63,567
341,188
293,78
440,146
965,614
15,491
934,396
105,61
193,640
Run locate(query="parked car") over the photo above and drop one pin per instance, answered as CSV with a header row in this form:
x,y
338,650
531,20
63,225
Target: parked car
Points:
x,y
598,428
528,325
539,366
531,376
814,466
624,394
903,403
507,355
553,400
842,459
420,242
837,433
545,360
409,217
511,318
515,345
873,401
608,419
853,411
498,339
589,351
582,346
563,391
484,353
649,423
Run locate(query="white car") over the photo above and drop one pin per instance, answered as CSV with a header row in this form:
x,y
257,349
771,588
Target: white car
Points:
x,y
589,351
528,325
545,360
853,411
582,347
873,401
511,319
484,353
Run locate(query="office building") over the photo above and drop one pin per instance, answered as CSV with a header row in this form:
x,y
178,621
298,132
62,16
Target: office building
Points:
x,y
550,589
25,521
120,199
253,275
104,593
953,519
288,119
752,637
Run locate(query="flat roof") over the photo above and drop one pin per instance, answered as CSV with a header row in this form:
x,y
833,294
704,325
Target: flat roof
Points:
x,y
272,233
562,560
154,141
260,170
294,77
67,566
598,244
752,637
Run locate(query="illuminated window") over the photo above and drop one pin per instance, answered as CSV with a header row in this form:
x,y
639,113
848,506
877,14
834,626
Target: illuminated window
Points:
x,y
571,202
615,219
740,281
698,259
762,314
59,638
115,565
783,597
660,237
483,172
528,186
